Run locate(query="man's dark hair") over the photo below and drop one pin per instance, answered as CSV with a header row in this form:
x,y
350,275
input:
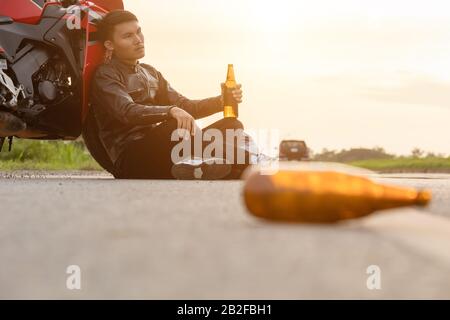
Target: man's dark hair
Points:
x,y
106,25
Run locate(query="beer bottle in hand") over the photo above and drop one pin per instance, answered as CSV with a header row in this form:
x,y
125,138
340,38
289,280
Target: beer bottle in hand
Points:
x,y
230,106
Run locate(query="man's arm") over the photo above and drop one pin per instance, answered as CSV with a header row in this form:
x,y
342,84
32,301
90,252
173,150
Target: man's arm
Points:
x,y
197,108
108,90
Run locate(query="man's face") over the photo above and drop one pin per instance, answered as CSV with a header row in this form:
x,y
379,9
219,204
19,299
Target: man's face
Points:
x,y
127,41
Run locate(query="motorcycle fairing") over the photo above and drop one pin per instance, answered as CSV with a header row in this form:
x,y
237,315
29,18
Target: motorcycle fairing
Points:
x,y
27,47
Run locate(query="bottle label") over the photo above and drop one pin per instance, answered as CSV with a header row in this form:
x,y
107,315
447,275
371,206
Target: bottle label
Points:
x,y
230,105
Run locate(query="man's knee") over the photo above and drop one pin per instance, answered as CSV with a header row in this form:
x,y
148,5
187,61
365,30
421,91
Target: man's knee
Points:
x,y
231,123
234,123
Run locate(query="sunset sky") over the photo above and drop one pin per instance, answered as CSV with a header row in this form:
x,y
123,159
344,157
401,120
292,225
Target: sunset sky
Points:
x,y
338,74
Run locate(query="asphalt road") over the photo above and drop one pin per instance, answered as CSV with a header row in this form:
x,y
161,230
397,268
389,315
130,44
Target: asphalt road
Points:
x,y
195,240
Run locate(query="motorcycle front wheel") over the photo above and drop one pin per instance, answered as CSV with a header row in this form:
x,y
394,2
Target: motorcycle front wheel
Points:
x,y
94,145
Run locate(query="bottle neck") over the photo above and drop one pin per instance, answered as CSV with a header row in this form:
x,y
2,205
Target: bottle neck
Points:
x,y
230,74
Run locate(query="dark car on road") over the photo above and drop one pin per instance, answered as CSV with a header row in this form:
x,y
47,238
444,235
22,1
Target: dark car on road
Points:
x,y
293,150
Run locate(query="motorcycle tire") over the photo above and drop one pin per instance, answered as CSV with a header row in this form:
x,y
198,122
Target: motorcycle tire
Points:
x,y
94,145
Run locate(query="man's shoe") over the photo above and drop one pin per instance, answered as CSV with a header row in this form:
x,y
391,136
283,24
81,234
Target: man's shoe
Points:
x,y
199,169
262,159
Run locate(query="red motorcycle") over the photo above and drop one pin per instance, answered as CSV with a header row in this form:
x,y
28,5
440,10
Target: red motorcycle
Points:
x,y
48,53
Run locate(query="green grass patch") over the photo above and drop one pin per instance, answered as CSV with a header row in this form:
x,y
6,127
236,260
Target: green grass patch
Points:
x,y
47,155
406,164
73,155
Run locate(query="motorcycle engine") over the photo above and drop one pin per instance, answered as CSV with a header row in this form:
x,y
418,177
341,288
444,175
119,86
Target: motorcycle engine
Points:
x,y
53,81
42,80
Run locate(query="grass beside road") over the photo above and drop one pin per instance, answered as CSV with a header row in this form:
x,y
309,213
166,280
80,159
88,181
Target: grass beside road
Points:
x,y
406,164
73,155
46,155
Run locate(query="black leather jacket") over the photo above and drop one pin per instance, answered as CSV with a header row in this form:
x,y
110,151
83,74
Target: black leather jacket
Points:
x,y
128,99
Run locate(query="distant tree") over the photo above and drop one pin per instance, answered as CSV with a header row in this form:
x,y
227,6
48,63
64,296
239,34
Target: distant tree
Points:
x,y
434,155
325,155
379,150
417,153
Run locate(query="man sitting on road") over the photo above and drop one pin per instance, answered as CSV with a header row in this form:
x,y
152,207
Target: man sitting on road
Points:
x,y
137,111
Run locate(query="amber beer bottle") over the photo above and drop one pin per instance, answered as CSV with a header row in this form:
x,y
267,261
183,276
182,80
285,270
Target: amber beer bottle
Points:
x,y
323,196
230,107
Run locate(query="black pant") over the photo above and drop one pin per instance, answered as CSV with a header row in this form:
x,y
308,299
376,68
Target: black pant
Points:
x,y
150,157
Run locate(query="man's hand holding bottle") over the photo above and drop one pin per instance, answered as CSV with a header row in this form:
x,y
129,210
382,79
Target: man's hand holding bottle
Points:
x,y
187,122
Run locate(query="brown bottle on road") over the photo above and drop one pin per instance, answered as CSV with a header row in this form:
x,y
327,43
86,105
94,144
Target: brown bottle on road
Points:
x,y
323,196
230,107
